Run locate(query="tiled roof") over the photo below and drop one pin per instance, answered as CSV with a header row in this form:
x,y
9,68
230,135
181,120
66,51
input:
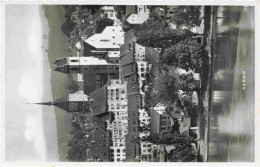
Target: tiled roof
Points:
x,y
132,148
89,83
100,139
98,102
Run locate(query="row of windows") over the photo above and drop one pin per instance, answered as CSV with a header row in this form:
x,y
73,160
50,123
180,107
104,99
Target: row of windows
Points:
x,y
117,90
117,108
96,68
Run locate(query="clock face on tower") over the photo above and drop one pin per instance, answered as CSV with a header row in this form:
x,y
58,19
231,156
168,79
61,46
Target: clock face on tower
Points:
x,y
73,106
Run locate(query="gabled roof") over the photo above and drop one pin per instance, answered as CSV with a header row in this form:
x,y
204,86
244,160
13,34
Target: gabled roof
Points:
x,y
132,148
132,88
129,69
98,102
127,58
89,83
110,38
100,139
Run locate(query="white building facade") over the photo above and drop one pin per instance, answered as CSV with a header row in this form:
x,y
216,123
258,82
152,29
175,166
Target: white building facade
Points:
x,y
139,52
78,96
111,13
140,17
111,37
145,147
117,104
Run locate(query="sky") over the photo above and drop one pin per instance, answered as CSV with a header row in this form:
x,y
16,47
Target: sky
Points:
x,y
27,79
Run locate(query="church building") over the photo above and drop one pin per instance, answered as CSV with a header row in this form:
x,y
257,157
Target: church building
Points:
x,y
85,65
74,102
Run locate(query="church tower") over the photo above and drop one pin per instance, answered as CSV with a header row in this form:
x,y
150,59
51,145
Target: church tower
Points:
x,y
85,65
74,102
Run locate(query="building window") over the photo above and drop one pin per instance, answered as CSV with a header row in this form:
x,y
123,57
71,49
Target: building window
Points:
x,y
75,60
74,69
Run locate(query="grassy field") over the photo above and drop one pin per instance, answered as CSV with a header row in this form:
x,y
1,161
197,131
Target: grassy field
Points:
x,y
58,47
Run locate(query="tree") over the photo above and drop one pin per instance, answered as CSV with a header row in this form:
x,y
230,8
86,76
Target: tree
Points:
x,y
172,89
153,23
186,54
76,154
187,16
166,86
153,33
184,151
103,23
67,27
162,37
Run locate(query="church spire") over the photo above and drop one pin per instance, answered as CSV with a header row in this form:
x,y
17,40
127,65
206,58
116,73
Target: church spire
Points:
x,y
44,103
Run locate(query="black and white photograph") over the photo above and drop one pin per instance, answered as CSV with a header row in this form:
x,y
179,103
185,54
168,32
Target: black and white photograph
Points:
x,y
129,83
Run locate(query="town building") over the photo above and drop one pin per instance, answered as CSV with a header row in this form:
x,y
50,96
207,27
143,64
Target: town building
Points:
x,y
117,105
144,131
109,12
142,68
99,44
99,137
140,17
139,54
166,12
132,142
160,120
144,118
85,65
146,151
142,9
117,96
118,128
112,56
74,102
137,18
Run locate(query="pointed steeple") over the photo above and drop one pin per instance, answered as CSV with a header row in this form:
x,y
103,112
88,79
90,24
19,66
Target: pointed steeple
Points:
x,y
44,103
74,102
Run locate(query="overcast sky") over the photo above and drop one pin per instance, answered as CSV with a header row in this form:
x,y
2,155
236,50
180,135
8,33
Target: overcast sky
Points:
x,y
25,83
